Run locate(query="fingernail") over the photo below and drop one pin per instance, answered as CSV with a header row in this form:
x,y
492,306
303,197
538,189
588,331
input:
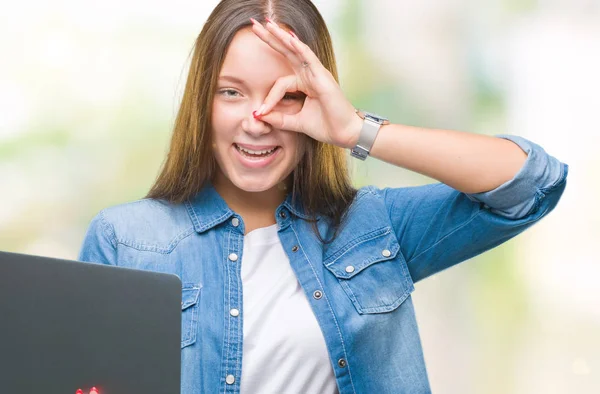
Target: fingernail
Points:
x,y
261,110
256,115
254,22
292,34
268,20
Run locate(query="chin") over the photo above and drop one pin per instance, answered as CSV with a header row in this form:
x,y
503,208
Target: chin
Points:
x,y
255,185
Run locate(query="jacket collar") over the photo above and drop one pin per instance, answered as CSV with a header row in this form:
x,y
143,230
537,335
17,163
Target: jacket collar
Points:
x,y
208,209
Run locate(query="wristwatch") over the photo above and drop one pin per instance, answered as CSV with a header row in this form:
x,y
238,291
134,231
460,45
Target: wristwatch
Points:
x,y
371,125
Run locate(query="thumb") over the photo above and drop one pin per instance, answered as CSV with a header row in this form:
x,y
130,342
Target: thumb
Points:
x,y
282,121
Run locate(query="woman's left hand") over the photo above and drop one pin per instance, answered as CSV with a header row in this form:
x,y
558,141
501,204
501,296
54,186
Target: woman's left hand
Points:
x,y
326,115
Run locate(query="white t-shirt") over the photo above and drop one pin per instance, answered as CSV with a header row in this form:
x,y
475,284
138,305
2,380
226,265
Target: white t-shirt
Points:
x,y
284,349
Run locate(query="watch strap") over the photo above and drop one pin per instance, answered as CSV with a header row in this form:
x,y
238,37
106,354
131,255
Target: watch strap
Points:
x,y
367,136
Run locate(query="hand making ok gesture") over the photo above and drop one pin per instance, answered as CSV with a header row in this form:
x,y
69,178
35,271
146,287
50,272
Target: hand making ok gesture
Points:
x,y
326,115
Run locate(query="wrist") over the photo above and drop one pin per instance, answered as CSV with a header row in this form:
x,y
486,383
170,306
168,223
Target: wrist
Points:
x,y
371,123
354,131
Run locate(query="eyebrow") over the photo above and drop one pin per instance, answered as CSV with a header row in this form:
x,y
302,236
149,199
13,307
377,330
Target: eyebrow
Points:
x,y
233,79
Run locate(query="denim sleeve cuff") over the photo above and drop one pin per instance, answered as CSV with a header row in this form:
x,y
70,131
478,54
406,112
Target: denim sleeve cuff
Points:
x,y
517,198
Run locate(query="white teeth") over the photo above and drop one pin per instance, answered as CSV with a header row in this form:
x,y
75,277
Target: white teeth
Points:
x,y
255,152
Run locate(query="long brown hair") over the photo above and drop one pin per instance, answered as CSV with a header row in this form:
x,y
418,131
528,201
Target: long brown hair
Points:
x,y
321,180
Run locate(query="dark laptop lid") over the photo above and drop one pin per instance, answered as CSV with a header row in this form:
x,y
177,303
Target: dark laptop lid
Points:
x,y
66,325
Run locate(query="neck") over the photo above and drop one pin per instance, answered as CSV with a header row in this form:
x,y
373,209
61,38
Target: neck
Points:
x,y
256,208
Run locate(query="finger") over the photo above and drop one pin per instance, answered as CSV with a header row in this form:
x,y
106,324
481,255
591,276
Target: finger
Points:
x,y
302,57
282,86
308,59
275,43
282,121
93,390
285,38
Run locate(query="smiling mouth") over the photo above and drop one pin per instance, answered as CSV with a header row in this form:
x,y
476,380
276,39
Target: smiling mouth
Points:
x,y
256,154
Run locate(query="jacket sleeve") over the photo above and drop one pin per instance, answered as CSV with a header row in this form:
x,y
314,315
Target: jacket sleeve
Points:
x,y
99,245
438,226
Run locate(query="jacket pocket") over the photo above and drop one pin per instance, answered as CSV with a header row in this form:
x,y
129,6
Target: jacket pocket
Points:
x,y
189,313
372,271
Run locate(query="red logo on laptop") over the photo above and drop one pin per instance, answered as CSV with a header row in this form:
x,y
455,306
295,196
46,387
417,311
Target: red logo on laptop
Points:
x,y
93,390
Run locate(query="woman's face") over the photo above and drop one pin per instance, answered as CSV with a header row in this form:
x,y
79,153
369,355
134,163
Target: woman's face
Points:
x,y
252,155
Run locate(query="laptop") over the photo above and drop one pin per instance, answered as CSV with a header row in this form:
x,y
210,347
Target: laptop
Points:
x,y
68,326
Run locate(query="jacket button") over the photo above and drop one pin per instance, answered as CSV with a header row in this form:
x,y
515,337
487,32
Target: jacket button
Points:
x,y
349,269
235,222
386,253
234,312
342,363
282,214
233,257
295,248
317,294
230,379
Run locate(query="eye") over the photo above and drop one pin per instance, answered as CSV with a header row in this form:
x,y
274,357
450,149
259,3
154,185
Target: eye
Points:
x,y
293,96
229,93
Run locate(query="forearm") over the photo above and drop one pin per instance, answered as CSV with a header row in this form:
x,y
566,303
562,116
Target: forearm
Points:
x,y
470,163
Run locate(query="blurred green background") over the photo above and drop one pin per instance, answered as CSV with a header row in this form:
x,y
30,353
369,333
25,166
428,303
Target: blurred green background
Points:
x,y
89,92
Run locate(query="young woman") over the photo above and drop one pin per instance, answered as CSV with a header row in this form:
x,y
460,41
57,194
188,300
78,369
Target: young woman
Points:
x,y
293,281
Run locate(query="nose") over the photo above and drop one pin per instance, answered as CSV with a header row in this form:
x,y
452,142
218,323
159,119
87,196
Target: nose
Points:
x,y
255,127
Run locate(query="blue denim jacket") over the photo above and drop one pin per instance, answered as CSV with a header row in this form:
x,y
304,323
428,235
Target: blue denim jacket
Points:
x,y
393,237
